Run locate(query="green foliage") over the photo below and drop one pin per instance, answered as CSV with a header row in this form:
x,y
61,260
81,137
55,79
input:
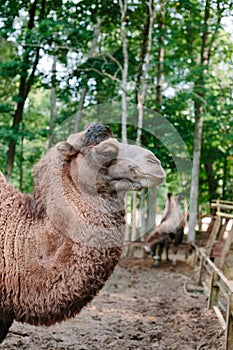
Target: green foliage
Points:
x,y
67,31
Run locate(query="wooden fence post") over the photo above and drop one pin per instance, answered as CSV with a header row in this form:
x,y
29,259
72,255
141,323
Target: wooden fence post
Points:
x,y
199,281
226,248
214,291
229,323
213,235
195,257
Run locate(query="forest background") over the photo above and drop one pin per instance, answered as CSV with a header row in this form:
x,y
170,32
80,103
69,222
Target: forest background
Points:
x,y
172,57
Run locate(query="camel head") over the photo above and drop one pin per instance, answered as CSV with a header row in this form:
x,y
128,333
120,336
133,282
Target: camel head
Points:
x,y
83,180
101,164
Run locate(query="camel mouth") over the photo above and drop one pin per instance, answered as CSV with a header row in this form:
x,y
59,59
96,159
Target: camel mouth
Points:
x,y
148,180
135,183
137,178
159,177
126,184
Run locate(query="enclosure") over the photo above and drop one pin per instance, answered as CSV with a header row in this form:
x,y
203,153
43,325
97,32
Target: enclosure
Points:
x,y
139,308
159,74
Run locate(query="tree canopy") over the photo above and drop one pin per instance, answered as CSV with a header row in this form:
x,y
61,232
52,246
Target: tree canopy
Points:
x,y
73,51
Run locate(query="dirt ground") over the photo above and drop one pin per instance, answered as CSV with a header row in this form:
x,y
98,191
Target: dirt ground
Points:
x,y
140,308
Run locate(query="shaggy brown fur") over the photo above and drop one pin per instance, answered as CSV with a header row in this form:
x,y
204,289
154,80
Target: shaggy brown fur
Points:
x,y
59,245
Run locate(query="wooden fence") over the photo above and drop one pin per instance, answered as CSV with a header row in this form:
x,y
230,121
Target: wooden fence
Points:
x,y
209,261
216,245
219,287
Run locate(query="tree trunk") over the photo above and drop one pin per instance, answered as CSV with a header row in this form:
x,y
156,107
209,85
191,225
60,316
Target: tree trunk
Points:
x,y
12,144
134,217
145,35
53,101
224,182
161,53
143,214
212,182
78,116
123,6
142,88
198,109
24,86
151,211
92,53
21,165
141,92
195,172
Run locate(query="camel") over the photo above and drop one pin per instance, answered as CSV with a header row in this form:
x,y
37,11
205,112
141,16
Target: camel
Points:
x,y
171,228
60,244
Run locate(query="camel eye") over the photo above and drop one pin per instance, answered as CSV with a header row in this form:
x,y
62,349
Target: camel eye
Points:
x,y
151,160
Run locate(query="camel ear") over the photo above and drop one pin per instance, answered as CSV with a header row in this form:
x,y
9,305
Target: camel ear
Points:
x,y
67,150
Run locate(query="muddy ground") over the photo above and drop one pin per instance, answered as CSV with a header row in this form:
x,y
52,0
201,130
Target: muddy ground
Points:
x,y
140,309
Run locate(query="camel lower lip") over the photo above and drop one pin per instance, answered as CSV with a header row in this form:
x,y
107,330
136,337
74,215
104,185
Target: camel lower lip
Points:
x,y
148,182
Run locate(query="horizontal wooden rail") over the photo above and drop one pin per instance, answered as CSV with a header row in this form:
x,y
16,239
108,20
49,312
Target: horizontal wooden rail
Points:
x,y
221,201
222,206
225,215
219,284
